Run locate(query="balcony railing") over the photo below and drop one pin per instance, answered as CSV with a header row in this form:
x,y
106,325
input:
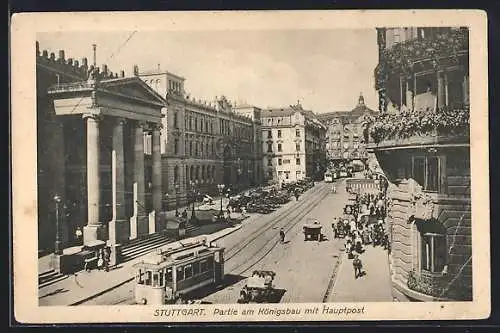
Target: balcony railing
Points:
x,y
445,121
402,56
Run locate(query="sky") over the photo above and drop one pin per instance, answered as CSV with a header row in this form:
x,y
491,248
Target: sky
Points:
x,y
325,70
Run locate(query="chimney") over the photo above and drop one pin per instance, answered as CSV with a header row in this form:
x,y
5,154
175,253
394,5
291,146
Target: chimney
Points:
x,y
61,56
70,61
76,64
84,62
45,54
37,44
122,73
136,70
52,56
105,70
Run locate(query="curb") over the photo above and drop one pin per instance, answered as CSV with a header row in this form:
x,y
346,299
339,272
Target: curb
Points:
x,y
102,292
333,278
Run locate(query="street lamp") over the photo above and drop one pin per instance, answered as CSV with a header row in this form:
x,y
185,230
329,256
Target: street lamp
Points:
x,y
193,194
220,187
166,201
57,247
176,199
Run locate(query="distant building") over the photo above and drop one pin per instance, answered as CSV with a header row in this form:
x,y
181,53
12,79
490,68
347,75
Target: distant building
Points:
x,y
293,144
421,141
204,143
346,133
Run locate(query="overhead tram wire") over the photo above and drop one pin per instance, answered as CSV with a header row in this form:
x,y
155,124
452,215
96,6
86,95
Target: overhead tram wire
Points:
x,y
109,58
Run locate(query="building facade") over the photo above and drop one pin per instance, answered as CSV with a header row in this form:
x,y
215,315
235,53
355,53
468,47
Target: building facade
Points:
x,y
293,143
92,167
421,141
203,143
346,134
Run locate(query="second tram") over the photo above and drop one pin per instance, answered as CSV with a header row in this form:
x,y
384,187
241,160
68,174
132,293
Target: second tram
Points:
x,y
328,177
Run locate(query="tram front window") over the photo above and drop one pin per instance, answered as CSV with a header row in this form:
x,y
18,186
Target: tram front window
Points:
x,y
156,280
196,268
168,275
140,277
148,278
188,271
180,274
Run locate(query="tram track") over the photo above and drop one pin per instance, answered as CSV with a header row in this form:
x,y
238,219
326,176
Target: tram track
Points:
x,y
303,210
231,253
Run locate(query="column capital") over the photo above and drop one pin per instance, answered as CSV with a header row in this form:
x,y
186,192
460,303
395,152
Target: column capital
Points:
x,y
93,116
118,121
141,123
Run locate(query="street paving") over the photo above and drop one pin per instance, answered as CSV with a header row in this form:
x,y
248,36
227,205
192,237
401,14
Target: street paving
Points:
x,y
303,269
374,286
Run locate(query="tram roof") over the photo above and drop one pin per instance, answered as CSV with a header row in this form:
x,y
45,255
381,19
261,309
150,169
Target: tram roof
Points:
x,y
165,259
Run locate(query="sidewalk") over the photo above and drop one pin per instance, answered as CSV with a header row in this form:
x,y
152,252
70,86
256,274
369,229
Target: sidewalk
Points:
x,y
375,286
78,288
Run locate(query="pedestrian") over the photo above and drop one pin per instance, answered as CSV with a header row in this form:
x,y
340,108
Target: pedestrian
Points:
x,y
100,260
78,234
107,257
297,195
282,235
358,266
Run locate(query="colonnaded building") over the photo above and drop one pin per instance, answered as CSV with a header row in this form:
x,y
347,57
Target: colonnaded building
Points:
x,y
111,150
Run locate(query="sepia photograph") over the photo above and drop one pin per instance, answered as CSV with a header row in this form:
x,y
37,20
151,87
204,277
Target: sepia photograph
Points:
x,y
246,172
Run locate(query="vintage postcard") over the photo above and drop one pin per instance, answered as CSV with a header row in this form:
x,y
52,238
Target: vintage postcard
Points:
x,y
250,166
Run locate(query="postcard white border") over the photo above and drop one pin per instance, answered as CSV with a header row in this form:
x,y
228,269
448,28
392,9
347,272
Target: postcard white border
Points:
x,y
23,32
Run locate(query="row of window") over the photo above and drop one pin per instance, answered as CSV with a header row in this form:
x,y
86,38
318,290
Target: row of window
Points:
x,y
280,147
287,174
282,161
185,272
203,125
270,133
203,172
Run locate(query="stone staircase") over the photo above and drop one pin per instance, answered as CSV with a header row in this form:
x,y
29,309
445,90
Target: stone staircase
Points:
x,y
48,277
139,247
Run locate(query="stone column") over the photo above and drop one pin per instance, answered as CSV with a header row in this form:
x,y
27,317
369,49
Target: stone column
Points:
x,y
118,227
157,184
93,230
139,222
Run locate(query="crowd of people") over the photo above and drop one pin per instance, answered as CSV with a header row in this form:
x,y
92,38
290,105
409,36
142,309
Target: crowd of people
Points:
x,y
363,224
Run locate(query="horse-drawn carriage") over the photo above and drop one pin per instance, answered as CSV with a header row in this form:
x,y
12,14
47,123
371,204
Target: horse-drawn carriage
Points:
x,y
312,230
258,288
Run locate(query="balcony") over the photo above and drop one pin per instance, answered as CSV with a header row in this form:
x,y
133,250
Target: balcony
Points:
x,y
438,51
446,125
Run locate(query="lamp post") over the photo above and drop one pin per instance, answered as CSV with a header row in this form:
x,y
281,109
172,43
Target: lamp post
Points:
x,y
220,187
57,245
166,201
176,199
193,194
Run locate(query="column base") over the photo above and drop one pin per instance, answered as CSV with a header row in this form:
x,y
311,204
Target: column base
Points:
x,y
92,233
119,231
142,226
116,254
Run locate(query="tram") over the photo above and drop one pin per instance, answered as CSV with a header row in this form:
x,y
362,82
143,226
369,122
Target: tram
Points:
x,y
164,277
328,177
